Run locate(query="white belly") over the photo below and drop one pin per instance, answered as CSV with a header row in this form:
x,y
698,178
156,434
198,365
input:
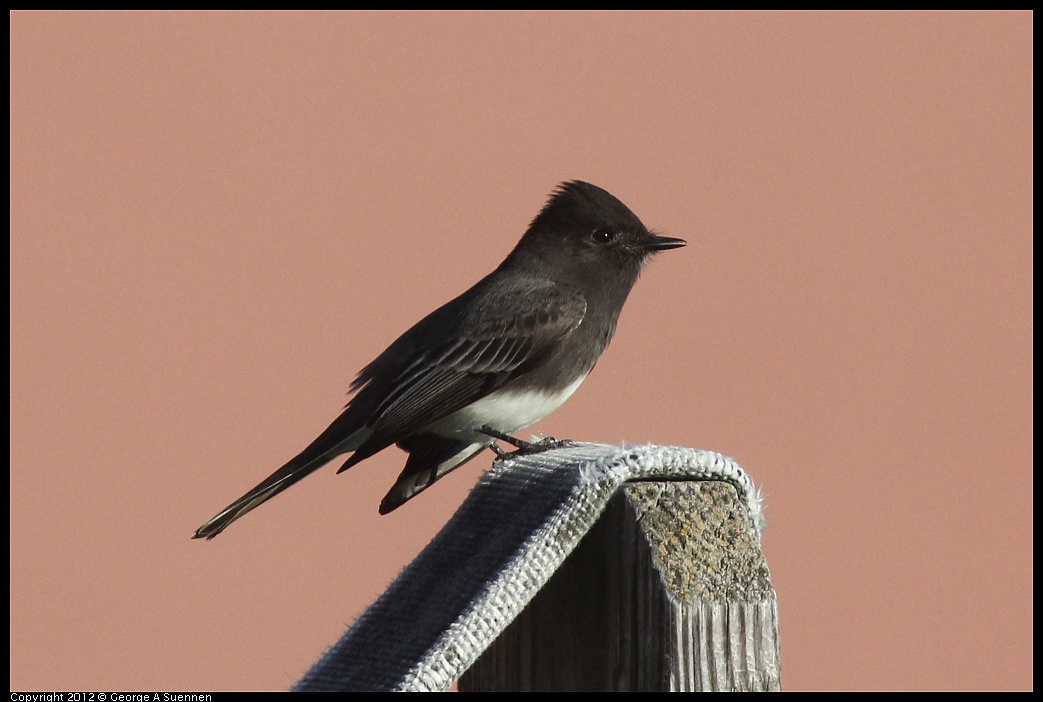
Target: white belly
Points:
x,y
505,410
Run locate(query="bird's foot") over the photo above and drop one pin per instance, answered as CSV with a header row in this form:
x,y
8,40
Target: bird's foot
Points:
x,y
523,448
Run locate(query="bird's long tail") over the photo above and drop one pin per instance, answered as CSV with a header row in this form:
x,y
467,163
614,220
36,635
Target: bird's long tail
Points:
x,y
298,468
343,435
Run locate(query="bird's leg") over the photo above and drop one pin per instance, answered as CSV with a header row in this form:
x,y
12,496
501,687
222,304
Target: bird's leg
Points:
x,y
507,438
501,455
524,448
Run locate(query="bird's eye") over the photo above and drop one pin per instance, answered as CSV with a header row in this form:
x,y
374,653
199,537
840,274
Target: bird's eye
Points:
x,y
603,236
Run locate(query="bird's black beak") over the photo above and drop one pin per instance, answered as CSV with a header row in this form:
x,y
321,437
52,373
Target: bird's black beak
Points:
x,y
662,243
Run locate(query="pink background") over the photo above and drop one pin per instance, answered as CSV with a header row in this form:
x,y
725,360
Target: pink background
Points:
x,y
217,219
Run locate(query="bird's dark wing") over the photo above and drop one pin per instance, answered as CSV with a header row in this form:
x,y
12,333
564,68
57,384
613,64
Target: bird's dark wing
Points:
x,y
485,349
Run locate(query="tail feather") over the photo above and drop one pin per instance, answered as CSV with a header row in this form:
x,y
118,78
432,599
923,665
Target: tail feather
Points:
x,y
430,457
342,436
278,481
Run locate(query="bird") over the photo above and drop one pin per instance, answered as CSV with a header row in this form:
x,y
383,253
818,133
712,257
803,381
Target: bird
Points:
x,y
498,358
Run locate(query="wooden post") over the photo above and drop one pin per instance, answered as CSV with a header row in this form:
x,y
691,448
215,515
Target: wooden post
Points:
x,y
589,567
668,592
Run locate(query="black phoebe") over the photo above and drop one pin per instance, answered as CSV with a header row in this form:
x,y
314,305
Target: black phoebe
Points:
x,y
500,357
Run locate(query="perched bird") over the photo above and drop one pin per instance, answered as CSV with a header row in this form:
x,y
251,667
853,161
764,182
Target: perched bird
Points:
x,y
501,356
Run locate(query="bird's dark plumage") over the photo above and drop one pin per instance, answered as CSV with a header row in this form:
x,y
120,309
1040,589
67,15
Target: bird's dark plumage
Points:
x,y
504,354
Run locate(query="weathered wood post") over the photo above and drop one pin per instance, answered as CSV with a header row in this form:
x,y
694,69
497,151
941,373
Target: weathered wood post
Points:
x,y
588,568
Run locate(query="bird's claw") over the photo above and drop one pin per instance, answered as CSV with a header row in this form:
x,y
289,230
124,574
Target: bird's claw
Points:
x,y
522,448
